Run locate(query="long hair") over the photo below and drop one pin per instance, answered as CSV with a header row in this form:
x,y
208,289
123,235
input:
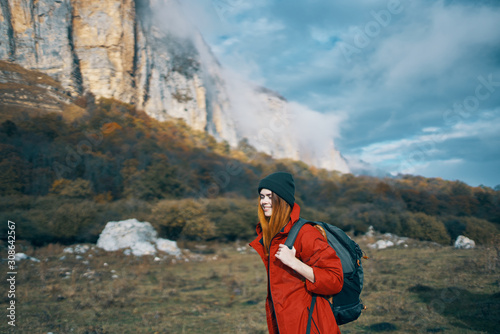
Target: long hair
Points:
x,y
272,225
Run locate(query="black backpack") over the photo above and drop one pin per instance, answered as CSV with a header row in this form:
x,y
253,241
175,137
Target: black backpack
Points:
x,y
346,305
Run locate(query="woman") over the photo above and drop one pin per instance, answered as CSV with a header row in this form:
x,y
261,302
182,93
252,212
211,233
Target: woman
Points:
x,y
293,275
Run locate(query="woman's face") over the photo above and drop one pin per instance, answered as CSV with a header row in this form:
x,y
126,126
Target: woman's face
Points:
x,y
266,201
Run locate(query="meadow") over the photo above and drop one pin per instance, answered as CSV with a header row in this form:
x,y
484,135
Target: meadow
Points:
x,y
221,287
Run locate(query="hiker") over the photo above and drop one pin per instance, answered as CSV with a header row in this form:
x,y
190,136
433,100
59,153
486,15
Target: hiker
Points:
x,y
293,275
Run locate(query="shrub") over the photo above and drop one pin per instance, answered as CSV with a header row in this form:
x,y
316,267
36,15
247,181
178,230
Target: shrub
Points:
x,y
78,188
423,227
185,218
480,230
72,222
455,226
234,219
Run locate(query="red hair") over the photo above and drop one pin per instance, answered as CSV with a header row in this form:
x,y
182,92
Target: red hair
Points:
x,y
272,225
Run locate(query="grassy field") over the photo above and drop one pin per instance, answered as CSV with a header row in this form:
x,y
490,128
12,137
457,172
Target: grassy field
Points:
x,y
422,288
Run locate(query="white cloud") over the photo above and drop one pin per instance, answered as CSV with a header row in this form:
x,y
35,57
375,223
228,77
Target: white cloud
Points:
x,y
394,91
261,26
321,35
414,153
438,37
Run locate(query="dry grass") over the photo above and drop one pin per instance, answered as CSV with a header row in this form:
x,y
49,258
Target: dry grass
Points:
x,y
31,76
408,290
30,92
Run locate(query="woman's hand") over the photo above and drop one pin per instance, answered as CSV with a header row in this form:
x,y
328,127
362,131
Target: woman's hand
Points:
x,y
287,256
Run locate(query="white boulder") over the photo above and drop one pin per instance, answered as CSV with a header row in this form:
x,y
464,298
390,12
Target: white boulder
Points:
x,y
137,238
78,249
371,232
143,248
168,246
130,233
22,256
381,244
463,242
386,240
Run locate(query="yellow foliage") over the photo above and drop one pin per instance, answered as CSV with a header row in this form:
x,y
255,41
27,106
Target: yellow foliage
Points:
x,y
110,127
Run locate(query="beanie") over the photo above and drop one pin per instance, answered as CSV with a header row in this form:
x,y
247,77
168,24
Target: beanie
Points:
x,y
281,184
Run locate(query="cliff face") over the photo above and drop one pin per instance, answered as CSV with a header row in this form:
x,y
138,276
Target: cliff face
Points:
x,y
117,49
113,49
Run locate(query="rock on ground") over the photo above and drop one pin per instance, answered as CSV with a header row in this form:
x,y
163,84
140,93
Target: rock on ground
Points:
x,y
463,242
381,244
168,246
22,256
140,238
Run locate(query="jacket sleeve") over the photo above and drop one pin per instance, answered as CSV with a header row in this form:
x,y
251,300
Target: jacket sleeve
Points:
x,y
314,251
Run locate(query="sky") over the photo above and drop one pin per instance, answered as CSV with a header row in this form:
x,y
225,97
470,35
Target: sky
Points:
x,y
415,85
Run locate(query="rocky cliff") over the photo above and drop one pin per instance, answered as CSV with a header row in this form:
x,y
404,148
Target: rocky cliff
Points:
x,y
120,49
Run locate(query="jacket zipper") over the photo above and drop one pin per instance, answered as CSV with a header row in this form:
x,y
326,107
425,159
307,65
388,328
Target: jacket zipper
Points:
x,y
269,284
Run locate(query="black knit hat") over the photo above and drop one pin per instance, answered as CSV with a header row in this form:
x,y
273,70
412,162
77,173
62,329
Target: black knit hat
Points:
x,y
281,184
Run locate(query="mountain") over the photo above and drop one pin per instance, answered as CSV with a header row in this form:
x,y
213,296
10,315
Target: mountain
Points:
x,y
144,53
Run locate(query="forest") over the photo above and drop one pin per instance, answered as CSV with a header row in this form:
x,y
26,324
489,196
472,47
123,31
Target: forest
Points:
x,y
64,176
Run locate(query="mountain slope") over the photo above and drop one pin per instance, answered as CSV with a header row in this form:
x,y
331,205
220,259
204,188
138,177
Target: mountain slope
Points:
x,y
126,51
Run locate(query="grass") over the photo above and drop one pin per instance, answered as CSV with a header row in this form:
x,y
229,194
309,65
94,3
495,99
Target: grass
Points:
x,y
423,288
30,76
31,92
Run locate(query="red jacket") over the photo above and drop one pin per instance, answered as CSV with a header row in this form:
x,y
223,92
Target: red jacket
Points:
x,y
288,293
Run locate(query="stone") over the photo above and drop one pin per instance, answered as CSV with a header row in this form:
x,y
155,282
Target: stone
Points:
x,y
143,248
139,237
463,242
168,246
22,256
381,244
136,238
77,249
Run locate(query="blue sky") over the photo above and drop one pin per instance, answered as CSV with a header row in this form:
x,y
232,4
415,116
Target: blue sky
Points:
x,y
416,85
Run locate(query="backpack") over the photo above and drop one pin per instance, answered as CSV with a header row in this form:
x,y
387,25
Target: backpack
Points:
x,y
346,305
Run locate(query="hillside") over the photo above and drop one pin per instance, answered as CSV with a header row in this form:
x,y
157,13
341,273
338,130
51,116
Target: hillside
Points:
x,y
147,54
65,174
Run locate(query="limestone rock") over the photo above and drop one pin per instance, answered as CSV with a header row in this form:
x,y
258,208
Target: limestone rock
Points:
x,y
143,248
168,246
381,244
77,249
137,238
385,240
130,233
22,256
463,242
370,232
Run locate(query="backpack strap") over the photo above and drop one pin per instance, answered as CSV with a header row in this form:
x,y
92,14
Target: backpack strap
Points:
x,y
294,231
309,319
290,240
